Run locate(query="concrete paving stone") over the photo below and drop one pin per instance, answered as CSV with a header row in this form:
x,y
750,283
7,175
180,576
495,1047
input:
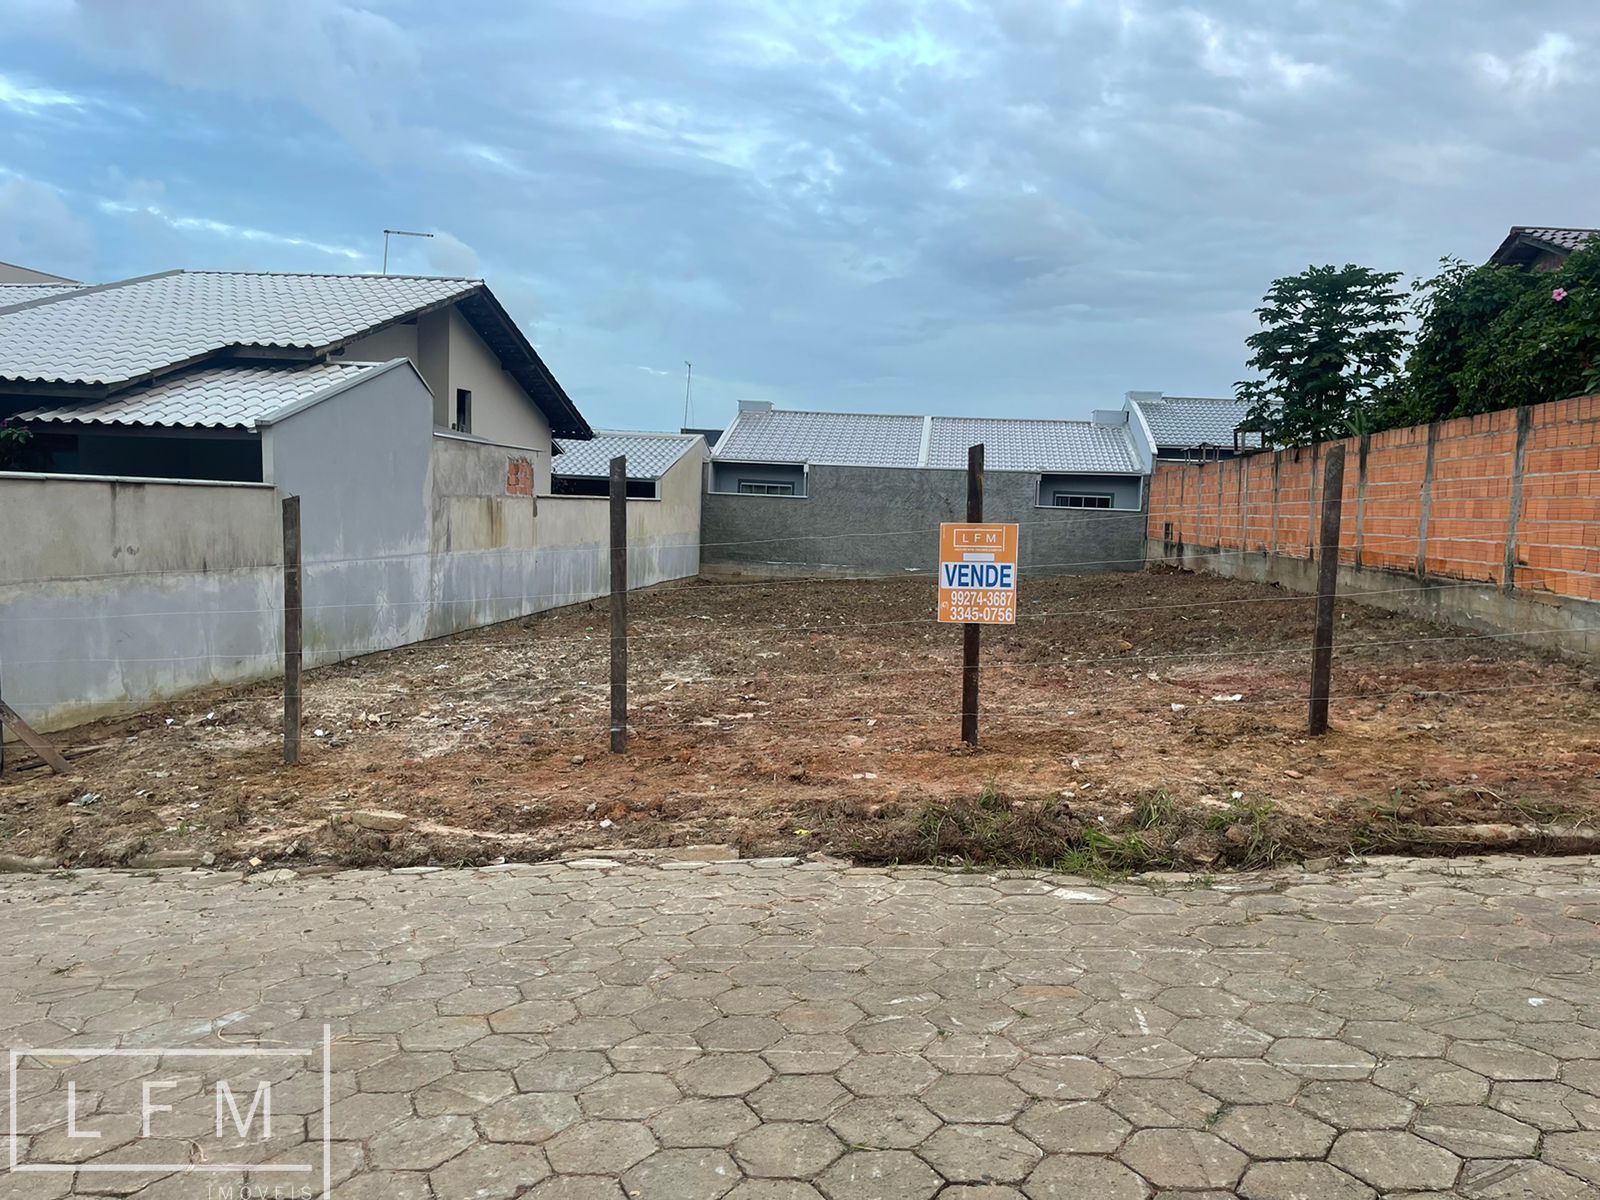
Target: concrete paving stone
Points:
x,y
1503,1060
1394,1039
1392,1160
1355,1105
1062,1077
1244,1081
723,1075
879,1175
1489,1179
1077,1177
628,1097
973,1054
1474,1132
774,1189
404,1072
1269,1131
498,1051
888,1075
981,1099
599,1147
1301,1181
979,1154
1543,1104
683,1175
363,1116
894,1033
421,1144
810,1053
1073,1127
1427,1081
563,1071
1320,1058
1585,1076
834,1016
709,1123
531,1117
980,1191
1293,1020
655,1052
375,1185
463,1092
883,1124
1140,1057
1183,1158
798,1098
489,1172
576,1187
786,1150
1163,1104
739,1034
1575,1153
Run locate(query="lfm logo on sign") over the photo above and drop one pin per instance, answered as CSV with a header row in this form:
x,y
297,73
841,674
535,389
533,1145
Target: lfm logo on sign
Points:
x,y
978,574
214,1107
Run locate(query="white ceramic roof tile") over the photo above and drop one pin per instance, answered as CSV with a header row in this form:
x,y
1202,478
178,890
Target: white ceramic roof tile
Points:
x,y
1023,445
22,293
210,397
859,439
124,331
837,439
1183,422
650,455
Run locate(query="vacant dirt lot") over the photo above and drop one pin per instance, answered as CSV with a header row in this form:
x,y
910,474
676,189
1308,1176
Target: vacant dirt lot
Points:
x,y
1130,721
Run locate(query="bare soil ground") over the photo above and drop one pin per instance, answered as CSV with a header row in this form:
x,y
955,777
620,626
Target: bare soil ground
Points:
x,y
1130,721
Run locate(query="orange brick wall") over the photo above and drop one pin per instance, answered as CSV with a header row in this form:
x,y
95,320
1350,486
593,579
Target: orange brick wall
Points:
x,y
1270,503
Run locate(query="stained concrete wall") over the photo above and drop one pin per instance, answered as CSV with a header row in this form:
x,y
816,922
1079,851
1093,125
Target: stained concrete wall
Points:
x,y
114,591
117,593
875,521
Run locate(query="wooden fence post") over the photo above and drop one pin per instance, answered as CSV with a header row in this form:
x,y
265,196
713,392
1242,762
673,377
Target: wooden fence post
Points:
x,y
293,630
619,604
1327,586
972,632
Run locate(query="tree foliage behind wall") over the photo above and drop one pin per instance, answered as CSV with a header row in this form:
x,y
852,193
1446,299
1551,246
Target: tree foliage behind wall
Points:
x,y
1329,345
1500,337
1486,338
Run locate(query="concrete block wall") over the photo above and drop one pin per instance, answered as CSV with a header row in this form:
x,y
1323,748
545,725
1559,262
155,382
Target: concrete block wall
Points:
x,y
1509,500
858,521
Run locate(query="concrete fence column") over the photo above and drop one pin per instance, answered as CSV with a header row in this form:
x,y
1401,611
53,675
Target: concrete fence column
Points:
x,y
1425,511
1363,450
1508,578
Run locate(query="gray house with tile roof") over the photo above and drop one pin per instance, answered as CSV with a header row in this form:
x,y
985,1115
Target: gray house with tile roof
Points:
x,y
1539,247
806,492
176,374
1189,427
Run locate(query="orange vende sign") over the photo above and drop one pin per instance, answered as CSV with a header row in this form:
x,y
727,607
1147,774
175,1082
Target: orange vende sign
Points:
x,y
978,574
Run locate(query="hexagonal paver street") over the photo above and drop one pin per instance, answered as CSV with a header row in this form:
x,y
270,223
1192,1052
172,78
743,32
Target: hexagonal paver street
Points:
x,y
607,1029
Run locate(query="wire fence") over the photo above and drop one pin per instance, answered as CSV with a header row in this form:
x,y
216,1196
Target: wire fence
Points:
x,y
680,641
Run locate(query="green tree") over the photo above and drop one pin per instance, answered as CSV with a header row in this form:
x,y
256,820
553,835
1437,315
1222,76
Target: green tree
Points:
x,y
1455,311
1329,345
14,439
1544,346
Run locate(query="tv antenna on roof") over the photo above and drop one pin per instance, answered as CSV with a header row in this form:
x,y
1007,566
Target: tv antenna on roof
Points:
x,y
389,233
688,382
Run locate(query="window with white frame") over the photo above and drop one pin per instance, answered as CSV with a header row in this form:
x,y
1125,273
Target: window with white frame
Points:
x,y
1083,500
762,487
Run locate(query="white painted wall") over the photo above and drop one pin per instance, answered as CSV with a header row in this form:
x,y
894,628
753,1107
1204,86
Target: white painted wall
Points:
x,y
115,594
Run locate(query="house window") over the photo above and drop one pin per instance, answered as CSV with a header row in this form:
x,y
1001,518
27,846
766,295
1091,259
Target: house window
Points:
x,y
1083,499
758,487
463,420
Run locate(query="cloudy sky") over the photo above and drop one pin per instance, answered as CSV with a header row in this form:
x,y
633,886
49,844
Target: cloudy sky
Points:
x,y
1009,207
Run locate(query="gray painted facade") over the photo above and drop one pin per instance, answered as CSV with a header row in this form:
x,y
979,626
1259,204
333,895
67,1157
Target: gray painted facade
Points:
x,y
875,520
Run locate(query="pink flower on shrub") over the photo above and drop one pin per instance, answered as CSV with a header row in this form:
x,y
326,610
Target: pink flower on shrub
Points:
x,y
1559,295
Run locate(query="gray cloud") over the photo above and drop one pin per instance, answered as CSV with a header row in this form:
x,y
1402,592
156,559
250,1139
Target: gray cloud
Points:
x,y
1016,207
